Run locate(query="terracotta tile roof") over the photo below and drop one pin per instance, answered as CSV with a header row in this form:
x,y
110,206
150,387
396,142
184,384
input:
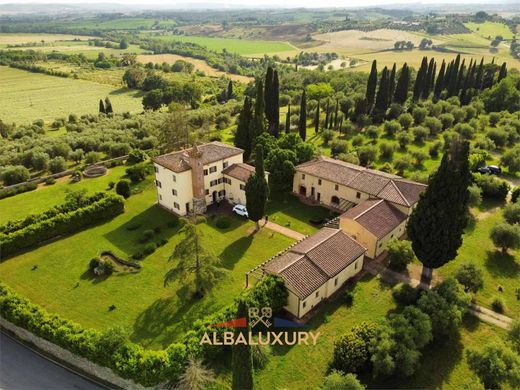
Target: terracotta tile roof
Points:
x,y
239,171
211,152
378,216
314,260
374,183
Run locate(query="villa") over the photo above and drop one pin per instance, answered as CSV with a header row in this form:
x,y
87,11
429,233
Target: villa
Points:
x,y
189,180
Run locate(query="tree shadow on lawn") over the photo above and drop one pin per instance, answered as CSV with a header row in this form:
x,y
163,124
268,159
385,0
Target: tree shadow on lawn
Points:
x,y
235,251
502,264
125,90
126,236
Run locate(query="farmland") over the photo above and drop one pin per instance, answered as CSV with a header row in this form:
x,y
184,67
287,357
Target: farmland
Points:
x,y
16,39
28,96
490,30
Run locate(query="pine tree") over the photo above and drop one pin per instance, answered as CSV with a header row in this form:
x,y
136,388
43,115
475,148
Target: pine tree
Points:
x,y
101,107
371,86
243,134
257,190
437,223
391,86
420,80
302,127
108,106
241,357
317,119
440,81
288,119
230,90
503,72
403,84
381,104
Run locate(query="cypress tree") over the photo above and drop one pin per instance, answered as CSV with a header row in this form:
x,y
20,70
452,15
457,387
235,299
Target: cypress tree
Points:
x,y
327,114
428,79
258,124
391,86
403,84
230,90
460,77
108,106
268,84
454,74
243,134
257,190
288,119
440,81
242,358
447,76
480,75
275,100
420,80
489,76
381,104
437,223
371,86
503,72
303,116
336,110
101,107
317,119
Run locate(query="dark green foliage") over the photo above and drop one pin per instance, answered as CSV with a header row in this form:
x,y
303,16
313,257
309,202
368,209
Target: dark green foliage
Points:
x,y
7,192
437,223
405,294
288,119
391,84
470,277
420,80
123,188
101,107
382,98
371,86
230,94
14,174
503,96
222,222
400,254
492,188
495,364
403,84
514,194
351,351
138,172
512,213
317,119
506,236
242,360
136,156
257,190
336,380
243,136
302,124
60,220
108,106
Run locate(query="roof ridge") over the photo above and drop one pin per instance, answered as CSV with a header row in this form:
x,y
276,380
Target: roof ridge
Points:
x,y
400,193
370,208
293,263
334,231
318,267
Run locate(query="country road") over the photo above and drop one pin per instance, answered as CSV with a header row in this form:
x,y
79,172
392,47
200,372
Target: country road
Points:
x,y
23,369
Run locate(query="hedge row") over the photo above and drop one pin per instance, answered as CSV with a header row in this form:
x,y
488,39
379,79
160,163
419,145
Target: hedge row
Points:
x,y
108,206
113,349
8,192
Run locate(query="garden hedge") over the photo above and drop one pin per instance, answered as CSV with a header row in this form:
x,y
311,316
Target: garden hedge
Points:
x,y
8,192
60,220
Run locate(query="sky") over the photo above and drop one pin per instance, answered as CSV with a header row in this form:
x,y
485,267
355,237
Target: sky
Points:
x,y
264,3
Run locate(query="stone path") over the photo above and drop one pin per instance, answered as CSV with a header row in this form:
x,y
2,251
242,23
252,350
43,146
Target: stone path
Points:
x,y
376,268
282,230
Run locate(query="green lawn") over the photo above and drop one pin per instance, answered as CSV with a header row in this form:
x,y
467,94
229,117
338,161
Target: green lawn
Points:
x,y
490,29
28,96
499,269
234,45
153,314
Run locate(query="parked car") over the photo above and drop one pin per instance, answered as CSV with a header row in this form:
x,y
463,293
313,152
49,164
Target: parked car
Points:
x,y
490,169
241,210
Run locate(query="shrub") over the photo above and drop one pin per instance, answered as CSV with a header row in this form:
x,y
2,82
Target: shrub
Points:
x,y
351,351
492,188
337,380
357,140
495,364
470,277
386,150
512,213
405,120
8,192
57,165
392,127
400,254
50,181
147,235
419,114
92,157
136,156
111,185
447,120
94,262
497,304
149,248
14,174
475,195
404,138
514,194
505,236
223,222
137,172
327,136
420,133
434,125
405,294
367,154
338,147
348,296
123,188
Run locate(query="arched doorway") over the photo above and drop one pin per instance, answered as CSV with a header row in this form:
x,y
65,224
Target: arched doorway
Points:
x,y
334,201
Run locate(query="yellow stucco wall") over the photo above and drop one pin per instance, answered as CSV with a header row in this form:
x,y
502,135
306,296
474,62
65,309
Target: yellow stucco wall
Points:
x,y
182,185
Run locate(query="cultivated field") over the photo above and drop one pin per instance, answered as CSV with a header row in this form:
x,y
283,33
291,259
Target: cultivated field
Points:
x,y
490,29
239,46
15,39
199,65
28,96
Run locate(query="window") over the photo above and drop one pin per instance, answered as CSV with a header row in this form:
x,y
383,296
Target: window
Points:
x,y
358,195
392,235
304,304
174,192
303,176
158,183
213,183
176,205
212,169
380,244
319,182
225,164
222,193
317,294
220,181
156,168
336,187
355,265
205,172
336,282
160,197
242,187
174,178
227,181
207,192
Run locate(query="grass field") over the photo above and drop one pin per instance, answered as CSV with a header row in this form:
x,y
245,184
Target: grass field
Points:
x,y
154,315
240,46
18,38
29,96
490,30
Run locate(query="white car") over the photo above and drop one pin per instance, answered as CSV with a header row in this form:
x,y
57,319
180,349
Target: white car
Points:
x,y
241,210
